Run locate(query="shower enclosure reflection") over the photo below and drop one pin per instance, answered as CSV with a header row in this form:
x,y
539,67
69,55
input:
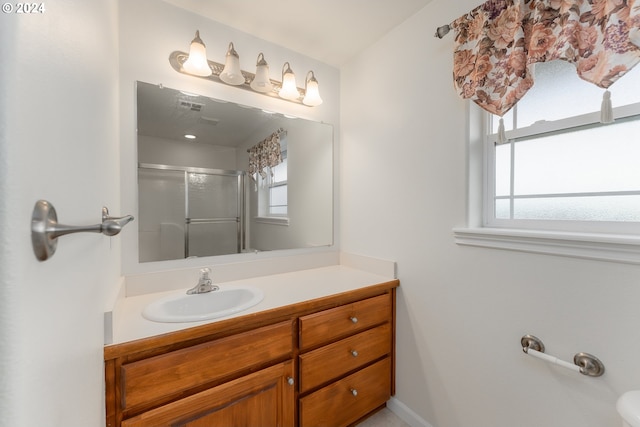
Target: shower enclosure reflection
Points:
x,y
211,221
195,197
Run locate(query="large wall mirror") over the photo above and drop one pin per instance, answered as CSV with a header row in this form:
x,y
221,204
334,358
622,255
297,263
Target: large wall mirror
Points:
x,y
195,195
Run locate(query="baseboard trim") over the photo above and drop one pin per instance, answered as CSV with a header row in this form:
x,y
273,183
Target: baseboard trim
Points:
x,y
406,414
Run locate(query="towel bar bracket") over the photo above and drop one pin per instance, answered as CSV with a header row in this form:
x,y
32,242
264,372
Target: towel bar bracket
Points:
x,y
533,342
45,228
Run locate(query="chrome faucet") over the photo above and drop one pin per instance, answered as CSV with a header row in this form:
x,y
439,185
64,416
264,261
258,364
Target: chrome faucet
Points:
x,y
205,284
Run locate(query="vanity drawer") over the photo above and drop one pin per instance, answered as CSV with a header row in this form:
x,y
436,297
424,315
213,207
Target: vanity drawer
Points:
x,y
345,401
329,325
167,375
334,360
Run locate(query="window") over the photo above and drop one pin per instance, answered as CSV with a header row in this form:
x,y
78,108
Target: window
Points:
x,y
561,169
273,192
277,188
563,183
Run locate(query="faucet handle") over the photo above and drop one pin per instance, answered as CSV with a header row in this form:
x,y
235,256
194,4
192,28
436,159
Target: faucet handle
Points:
x,y
204,277
205,284
204,273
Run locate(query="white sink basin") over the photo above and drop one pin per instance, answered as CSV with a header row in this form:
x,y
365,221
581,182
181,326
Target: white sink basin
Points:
x,y
211,305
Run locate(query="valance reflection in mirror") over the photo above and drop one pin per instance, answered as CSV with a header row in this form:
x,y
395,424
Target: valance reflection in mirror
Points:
x,y
195,195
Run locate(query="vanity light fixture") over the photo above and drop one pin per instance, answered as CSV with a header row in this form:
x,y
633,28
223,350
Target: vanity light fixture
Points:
x,y
195,63
312,94
289,90
261,82
189,136
231,74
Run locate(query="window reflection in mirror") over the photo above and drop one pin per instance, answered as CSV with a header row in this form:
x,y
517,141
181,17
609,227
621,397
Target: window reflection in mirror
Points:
x,y
195,195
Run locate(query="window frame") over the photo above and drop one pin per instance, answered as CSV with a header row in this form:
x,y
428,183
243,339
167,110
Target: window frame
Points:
x,y
607,242
265,186
541,129
270,185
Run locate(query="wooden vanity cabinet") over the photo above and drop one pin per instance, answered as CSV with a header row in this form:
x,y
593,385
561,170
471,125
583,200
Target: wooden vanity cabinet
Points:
x,y
324,362
264,398
346,362
208,383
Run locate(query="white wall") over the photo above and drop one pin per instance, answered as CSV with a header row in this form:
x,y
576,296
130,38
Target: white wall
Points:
x,y
462,310
309,182
162,151
149,31
59,142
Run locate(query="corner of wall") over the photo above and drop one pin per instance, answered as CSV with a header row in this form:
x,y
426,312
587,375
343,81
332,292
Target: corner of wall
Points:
x,y
378,266
406,414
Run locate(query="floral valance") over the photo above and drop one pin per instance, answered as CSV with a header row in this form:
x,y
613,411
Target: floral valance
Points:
x,y
265,155
498,43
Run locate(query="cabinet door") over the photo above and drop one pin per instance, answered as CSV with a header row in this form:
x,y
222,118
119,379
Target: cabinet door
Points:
x,y
264,398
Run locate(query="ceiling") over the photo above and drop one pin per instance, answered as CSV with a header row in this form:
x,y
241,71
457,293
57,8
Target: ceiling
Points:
x,y
170,114
299,25
331,31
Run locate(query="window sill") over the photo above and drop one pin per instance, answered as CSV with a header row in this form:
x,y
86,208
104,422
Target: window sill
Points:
x,y
273,220
602,247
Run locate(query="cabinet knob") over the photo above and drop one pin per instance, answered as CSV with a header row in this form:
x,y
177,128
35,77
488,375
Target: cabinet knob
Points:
x,y
354,391
290,381
354,353
354,319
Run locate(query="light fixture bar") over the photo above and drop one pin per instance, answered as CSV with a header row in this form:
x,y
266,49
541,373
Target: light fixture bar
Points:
x,y
177,58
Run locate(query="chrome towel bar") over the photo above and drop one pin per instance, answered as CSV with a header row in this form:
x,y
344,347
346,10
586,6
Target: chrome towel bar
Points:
x,y
585,363
45,228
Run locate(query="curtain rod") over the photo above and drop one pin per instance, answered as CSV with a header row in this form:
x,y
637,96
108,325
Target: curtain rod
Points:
x,y
279,132
442,31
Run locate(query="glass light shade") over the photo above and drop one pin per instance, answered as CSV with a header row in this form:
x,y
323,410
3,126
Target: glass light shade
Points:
x,y
196,64
231,73
312,94
261,82
289,90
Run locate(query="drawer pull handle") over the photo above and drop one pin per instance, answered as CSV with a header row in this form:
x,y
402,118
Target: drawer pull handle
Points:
x,y
354,391
290,381
354,319
354,353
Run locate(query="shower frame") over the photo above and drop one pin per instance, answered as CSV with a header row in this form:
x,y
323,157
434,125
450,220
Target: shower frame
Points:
x,y
239,220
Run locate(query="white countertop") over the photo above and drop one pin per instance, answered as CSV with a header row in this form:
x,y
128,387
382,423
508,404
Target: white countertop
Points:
x,y
279,290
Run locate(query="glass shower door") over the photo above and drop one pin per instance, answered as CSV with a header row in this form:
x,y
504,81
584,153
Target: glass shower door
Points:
x,y
161,224
214,214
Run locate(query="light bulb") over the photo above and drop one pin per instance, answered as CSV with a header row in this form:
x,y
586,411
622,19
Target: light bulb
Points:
x,y
289,90
261,82
231,73
197,64
312,94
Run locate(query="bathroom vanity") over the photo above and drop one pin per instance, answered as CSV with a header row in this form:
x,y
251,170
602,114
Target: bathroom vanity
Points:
x,y
323,361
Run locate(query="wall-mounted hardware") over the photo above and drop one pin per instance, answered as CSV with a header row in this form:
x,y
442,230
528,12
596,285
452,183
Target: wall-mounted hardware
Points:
x,y
584,363
45,228
195,63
